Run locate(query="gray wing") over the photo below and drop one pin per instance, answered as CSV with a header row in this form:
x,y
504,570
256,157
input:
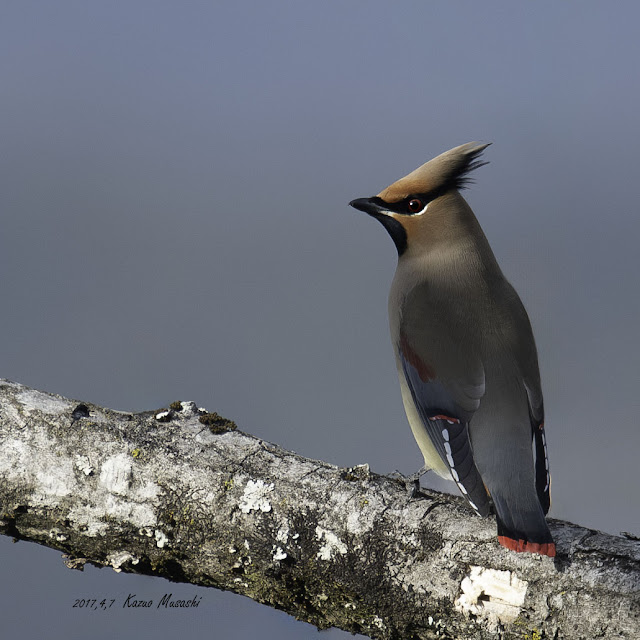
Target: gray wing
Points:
x,y
527,358
446,388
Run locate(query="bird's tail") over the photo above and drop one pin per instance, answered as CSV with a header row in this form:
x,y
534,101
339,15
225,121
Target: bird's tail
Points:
x,y
522,527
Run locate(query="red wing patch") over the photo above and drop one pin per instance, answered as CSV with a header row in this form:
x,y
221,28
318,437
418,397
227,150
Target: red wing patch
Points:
x,y
425,371
449,419
543,549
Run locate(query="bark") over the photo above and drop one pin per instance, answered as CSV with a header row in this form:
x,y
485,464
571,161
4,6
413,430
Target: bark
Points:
x,y
183,495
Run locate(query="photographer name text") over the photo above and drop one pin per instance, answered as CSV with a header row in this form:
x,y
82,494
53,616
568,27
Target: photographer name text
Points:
x,y
132,601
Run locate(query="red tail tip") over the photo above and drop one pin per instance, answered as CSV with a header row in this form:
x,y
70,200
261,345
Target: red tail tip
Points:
x,y
544,549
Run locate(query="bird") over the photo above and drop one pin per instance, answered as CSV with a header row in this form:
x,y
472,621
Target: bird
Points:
x,y
465,352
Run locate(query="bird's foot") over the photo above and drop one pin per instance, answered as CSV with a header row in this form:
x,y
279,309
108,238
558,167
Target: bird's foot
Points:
x,y
412,482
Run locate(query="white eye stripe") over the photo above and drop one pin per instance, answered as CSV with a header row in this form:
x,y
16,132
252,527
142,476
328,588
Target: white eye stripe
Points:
x,y
419,213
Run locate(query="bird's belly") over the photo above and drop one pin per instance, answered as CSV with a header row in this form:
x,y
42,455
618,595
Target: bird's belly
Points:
x,y
431,457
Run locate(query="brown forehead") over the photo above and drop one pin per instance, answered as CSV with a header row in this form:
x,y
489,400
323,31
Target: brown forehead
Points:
x,y
408,186
446,171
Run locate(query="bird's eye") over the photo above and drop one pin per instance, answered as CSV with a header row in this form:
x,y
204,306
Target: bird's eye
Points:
x,y
415,205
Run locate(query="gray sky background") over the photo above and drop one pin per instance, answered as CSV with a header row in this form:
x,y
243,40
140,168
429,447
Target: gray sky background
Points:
x,y
174,181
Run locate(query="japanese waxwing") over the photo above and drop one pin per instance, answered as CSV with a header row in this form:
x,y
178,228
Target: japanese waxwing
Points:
x,y
465,351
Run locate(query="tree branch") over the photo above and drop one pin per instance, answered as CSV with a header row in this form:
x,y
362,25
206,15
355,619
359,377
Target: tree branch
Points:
x,y
162,494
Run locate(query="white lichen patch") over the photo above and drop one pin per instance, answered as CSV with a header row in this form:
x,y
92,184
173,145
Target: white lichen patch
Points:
x,y
11,413
362,514
255,497
116,474
116,560
14,453
139,515
361,471
145,491
54,534
492,594
279,553
11,384
161,538
357,523
83,464
189,408
32,400
410,540
282,535
88,518
35,465
244,561
332,544
55,478
378,622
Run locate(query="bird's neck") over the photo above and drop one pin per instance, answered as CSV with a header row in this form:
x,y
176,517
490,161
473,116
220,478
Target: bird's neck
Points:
x,y
449,236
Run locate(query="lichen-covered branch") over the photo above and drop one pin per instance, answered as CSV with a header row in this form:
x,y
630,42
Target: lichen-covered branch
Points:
x,y
167,494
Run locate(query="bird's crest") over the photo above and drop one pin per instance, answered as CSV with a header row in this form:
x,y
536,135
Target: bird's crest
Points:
x,y
449,170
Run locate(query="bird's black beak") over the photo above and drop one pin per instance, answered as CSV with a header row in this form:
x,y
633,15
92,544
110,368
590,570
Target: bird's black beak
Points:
x,y
376,208
368,205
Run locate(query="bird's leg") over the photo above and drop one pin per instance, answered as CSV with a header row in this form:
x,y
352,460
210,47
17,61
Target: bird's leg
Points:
x,y
413,484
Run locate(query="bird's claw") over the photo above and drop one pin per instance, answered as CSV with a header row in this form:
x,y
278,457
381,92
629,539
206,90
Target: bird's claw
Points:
x,y
411,482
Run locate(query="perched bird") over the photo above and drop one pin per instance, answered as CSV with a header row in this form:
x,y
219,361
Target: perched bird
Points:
x,y
465,351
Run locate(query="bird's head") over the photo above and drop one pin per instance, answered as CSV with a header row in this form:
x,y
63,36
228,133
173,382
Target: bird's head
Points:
x,y
426,204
